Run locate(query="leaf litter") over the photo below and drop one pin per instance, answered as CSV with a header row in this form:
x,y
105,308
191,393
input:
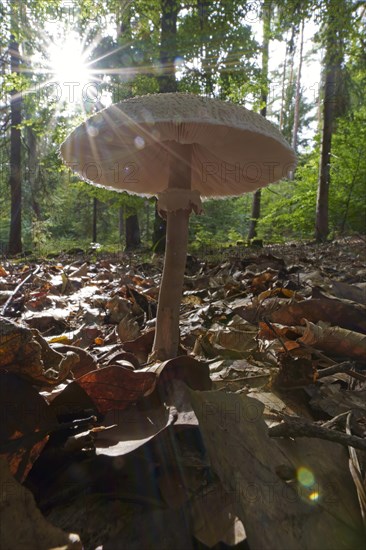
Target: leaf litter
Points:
x,y
252,425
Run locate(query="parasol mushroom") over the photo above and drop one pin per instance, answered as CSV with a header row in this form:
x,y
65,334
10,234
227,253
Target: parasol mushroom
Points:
x,y
179,147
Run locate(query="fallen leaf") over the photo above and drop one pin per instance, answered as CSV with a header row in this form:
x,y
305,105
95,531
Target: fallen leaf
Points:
x,y
116,387
86,363
128,329
132,429
141,346
319,505
24,412
335,341
349,292
26,352
335,312
196,374
211,502
22,524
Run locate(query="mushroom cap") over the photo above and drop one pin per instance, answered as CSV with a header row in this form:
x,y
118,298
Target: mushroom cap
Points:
x,y
128,146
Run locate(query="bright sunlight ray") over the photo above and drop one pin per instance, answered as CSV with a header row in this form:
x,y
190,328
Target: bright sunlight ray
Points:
x,y
69,66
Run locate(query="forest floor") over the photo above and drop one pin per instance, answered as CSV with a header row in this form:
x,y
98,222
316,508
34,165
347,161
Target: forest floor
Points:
x,y
259,421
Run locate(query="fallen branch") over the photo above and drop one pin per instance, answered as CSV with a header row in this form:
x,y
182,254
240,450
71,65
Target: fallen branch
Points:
x,y
17,288
295,427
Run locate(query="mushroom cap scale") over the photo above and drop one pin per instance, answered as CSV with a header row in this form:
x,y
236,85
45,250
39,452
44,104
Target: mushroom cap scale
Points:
x,y
128,146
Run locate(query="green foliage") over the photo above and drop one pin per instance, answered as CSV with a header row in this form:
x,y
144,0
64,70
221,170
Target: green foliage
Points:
x,y
219,55
348,174
288,208
217,48
223,222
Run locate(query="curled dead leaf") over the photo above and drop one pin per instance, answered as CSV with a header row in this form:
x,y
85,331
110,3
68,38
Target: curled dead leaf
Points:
x,y
116,387
335,340
26,352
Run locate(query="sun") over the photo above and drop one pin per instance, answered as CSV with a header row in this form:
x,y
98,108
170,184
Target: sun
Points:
x,y
68,63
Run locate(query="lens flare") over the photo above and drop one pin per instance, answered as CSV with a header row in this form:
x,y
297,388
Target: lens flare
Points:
x,y
305,477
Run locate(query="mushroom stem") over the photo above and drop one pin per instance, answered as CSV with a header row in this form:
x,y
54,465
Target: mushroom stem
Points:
x,y
167,320
171,287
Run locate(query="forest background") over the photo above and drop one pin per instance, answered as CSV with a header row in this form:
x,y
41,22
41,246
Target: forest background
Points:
x,y
302,64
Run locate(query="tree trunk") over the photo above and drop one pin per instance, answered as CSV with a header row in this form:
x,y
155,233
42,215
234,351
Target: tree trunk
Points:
x,y
168,45
298,92
322,201
121,219
256,205
15,178
95,220
132,232
334,53
33,171
167,83
256,212
283,86
333,105
202,6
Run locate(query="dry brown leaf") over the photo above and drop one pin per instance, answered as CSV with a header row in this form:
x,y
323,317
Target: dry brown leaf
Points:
x,y
26,352
335,312
132,429
24,412
22,524
86,361
141,346
335,341
214,502
116,387
317,509
234,339
196,374
3,272
349,292
128,329
118,308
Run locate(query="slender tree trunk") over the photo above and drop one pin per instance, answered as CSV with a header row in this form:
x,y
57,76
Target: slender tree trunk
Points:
x,y
283,87
322,201
332,63
205,59
333,106
256,205
33,171
167,83
168,45
292,50
147,228
298,92
133,239
287,111
121,218
95,220
15,178
255,215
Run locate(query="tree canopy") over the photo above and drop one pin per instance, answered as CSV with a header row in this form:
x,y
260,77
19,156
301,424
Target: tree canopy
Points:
x,y
313,90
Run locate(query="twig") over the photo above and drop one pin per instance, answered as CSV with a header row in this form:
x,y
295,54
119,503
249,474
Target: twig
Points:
x,y
333,421
345,366
295,427
339,367
272,328
16,290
